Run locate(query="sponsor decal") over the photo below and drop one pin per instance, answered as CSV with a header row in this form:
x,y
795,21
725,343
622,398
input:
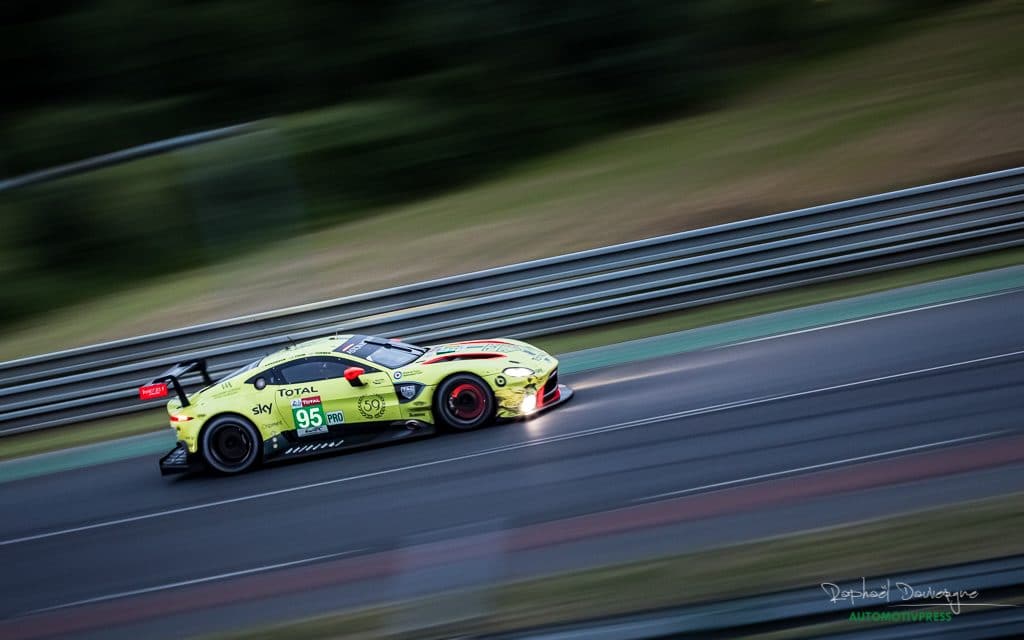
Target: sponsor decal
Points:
x,y
150,391
308,416
407,391
398,375
261,409
500,381
352,345
371,407
483,348
496,348
301,391
335,417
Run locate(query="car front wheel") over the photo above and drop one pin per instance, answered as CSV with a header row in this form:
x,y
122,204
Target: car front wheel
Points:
x,y
464,402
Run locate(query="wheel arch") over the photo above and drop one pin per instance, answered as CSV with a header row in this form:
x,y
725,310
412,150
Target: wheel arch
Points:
x,y
232,414
435,400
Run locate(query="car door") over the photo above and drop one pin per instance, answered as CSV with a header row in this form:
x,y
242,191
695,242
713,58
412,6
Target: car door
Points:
x,y
316,401
374,402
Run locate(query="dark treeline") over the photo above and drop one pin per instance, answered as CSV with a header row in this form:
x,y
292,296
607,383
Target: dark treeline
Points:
x,y
88,77
394,99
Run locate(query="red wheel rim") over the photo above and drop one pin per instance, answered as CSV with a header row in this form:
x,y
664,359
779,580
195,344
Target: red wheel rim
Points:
x,y
467,402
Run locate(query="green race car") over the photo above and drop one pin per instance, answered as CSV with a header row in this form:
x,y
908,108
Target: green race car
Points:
x,y
349,391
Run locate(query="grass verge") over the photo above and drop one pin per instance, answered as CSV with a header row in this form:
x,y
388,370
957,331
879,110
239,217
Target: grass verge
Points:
x,y
74,435
964,533
148,421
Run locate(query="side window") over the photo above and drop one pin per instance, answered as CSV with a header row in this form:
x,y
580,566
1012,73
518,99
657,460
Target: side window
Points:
x,y
270,375
312,369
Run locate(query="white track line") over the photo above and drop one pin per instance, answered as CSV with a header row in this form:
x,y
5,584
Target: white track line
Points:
x,y
736,404
185,583
889,314
512,447
813,467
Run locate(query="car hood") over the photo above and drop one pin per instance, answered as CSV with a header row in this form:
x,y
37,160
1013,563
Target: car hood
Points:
x,y
511,351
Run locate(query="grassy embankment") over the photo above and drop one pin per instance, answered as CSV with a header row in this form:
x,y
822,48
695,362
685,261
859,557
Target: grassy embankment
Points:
x,y
926,104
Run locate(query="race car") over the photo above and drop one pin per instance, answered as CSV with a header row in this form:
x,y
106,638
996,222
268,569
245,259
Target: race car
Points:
x,y
348,391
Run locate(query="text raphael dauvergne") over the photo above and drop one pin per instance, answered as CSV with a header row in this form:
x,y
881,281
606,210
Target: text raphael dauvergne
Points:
x,y
902,594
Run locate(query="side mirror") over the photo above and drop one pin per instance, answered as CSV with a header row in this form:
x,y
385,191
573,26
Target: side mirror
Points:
x,y
352,375
260,383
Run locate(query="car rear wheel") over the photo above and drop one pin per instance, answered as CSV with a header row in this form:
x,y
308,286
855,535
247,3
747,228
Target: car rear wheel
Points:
x,y
464,402
230,444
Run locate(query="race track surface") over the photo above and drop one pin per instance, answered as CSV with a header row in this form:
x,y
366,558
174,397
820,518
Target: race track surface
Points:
x,y
677,435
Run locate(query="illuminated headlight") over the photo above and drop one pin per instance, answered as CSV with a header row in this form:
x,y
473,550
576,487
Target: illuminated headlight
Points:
x,y
518,372
529,403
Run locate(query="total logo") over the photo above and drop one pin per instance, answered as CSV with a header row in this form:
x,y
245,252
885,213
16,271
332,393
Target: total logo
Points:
x,y
287,393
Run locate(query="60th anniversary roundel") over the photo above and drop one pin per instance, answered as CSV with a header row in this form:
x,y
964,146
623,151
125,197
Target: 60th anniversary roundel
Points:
x,y
371,407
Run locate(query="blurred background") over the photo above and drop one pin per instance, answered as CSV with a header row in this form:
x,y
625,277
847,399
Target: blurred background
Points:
x,y
362,109
167,163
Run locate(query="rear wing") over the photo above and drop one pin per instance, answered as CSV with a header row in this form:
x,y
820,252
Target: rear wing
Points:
x,y
158,388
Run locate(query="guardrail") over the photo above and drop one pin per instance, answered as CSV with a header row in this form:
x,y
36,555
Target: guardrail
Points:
x,y
573,291
125,155
986,616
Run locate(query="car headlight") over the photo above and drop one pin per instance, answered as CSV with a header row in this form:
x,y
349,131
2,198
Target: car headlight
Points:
x,y
518,372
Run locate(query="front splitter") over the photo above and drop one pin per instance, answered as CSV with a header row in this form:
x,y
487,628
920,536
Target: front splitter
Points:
x,y
565,393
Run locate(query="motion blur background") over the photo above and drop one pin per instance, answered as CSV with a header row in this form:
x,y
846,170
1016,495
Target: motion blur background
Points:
x,y
367,106
392,142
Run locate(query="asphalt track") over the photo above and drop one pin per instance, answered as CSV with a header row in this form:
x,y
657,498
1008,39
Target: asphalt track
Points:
x,y
725,444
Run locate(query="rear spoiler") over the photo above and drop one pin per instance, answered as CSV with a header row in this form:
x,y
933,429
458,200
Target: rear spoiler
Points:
x,y
158,387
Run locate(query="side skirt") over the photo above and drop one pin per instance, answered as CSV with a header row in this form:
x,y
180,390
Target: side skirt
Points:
x,y
283,447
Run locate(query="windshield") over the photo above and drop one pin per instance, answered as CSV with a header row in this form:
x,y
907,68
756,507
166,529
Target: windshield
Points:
x,y
387,353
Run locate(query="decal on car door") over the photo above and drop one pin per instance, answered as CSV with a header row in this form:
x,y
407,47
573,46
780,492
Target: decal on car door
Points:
x,y
308,416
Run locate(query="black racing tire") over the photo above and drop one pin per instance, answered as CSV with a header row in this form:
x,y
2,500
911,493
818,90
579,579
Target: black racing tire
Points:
x,y
230,444
464,402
